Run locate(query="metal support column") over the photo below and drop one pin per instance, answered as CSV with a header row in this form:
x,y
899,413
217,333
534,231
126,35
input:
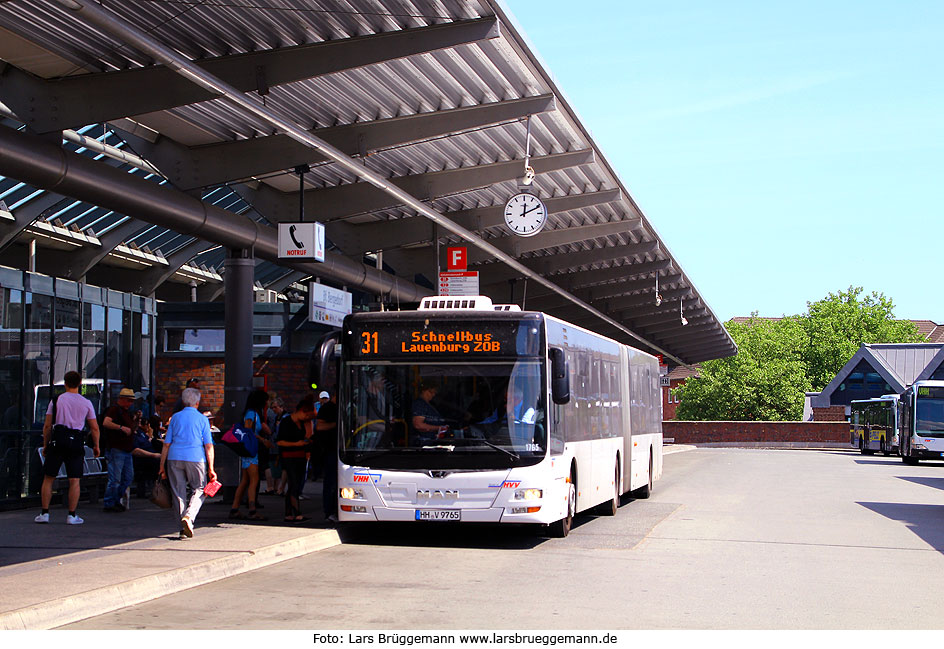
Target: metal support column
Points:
x,y
237,305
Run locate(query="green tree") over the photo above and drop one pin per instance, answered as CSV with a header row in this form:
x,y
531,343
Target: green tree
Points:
x,y
840,322
779,360
765,381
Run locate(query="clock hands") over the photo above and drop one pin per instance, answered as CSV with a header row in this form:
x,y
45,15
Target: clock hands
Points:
x,y
531,209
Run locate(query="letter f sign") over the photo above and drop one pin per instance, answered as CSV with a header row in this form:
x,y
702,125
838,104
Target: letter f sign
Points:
x,y
456,258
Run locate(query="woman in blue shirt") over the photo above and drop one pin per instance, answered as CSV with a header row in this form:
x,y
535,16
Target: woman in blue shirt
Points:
x,y
187,459
254,420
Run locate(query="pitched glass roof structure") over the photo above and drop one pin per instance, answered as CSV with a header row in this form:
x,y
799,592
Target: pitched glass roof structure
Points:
x,y
434,97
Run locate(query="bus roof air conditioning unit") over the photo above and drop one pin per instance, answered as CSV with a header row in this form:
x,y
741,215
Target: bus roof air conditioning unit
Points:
x,y
474,303
506,307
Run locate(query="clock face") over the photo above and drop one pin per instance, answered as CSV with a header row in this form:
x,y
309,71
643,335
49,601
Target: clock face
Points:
x,y
525,214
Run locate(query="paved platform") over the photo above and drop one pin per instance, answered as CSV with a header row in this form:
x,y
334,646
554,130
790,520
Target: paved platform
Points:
x,y
55,574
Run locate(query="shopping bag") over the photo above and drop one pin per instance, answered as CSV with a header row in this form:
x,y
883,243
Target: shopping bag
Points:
x,y
211,488
161,495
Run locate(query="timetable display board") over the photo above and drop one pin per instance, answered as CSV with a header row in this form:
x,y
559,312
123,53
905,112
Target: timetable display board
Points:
x,y
434,339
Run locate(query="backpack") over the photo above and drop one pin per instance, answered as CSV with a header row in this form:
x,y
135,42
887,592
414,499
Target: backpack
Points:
x,y
241,441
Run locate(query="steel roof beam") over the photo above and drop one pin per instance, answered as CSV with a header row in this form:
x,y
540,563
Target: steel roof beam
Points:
x,y
24,216
685,335
596,293
516,246
639,305
606,281
386,235
214,164
35,161
342,201
76,265
75,101
283,282
91,13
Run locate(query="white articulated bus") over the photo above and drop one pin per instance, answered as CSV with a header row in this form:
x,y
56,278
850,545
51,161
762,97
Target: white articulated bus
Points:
x,y
874,424
921,422
465,411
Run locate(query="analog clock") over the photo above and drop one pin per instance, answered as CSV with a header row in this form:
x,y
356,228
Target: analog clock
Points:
x,y
525,214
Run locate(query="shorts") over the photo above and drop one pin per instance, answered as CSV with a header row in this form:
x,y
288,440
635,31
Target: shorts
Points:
x,y
246,462
75,463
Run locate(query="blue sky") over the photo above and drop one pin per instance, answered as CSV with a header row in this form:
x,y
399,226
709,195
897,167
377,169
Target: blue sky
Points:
x,y
781,150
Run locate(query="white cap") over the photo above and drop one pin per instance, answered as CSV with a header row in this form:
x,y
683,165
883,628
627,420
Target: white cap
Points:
x,y
324,395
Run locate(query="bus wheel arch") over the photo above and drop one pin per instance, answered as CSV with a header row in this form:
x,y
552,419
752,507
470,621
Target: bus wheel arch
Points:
x,y
646,490
561,528
609,507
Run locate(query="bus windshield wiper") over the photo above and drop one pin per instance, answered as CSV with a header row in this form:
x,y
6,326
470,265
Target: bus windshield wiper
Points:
x,y
497,447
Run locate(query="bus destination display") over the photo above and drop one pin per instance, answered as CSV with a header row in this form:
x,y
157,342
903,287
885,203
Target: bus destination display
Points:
x,y
929,392
443,339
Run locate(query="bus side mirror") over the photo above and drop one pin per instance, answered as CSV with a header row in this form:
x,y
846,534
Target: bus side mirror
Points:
x,y
560,376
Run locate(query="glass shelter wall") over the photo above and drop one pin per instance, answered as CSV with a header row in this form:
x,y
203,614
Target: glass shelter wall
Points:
x,y
48,327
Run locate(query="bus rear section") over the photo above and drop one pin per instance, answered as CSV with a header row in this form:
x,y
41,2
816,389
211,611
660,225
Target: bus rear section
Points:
x,y
921,427
488,416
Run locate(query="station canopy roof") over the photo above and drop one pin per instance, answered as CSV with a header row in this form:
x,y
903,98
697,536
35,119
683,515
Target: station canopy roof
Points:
x,y
434,96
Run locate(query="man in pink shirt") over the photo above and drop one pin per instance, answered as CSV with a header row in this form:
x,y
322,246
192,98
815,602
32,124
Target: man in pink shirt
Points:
x,y
75,412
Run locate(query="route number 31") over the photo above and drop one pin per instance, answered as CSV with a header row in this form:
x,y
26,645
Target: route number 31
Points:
x,y
370,342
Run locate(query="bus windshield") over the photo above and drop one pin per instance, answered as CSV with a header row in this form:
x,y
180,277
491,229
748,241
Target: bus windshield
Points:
x,y
483,415
929,417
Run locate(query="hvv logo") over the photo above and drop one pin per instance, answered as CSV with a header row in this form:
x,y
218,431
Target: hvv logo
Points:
x,y
507,484
367,477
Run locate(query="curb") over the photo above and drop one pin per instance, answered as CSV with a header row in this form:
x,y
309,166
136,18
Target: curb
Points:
x,y
65,610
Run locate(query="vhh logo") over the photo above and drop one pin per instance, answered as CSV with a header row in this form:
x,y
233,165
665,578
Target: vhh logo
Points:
x,y
456,258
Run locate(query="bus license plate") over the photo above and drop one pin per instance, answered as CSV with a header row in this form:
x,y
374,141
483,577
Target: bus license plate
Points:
x,y
438,515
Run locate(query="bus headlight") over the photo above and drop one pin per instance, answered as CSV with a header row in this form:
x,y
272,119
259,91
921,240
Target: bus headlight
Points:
x,y
350,493
528,494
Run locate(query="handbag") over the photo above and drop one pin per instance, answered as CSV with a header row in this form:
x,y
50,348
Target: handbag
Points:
x,y
241,441
69,441
160,494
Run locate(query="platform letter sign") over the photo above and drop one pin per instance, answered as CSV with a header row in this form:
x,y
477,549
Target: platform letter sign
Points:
x,y
456,259
301,241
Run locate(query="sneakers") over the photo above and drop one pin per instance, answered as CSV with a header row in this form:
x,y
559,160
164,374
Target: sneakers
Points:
x,y
187,527
182,536
70,519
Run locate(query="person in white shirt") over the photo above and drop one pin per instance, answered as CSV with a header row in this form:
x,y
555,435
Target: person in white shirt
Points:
x,y
65,445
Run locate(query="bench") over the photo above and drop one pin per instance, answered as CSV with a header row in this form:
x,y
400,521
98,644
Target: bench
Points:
x,y
94,477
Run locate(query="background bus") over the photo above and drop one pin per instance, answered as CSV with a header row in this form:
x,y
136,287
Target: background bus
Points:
x,y
874,424
921,418
462,412
91,389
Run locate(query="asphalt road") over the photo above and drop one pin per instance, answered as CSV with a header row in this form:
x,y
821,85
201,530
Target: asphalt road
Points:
x,y
731,539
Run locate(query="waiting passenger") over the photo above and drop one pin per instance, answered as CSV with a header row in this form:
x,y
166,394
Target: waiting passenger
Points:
x,y
119,425
64,445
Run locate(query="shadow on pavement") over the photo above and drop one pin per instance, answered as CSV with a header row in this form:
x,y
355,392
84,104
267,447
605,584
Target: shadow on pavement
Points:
x,y
22,540
937,483
880,462
924,520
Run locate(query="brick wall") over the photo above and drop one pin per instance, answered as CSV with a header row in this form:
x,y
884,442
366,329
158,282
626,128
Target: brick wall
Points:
x,y
707,432
830,413
285,377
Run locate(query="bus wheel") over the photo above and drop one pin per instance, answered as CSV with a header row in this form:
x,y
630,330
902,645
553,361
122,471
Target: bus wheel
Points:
x,y
610,506
646,491
560,529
